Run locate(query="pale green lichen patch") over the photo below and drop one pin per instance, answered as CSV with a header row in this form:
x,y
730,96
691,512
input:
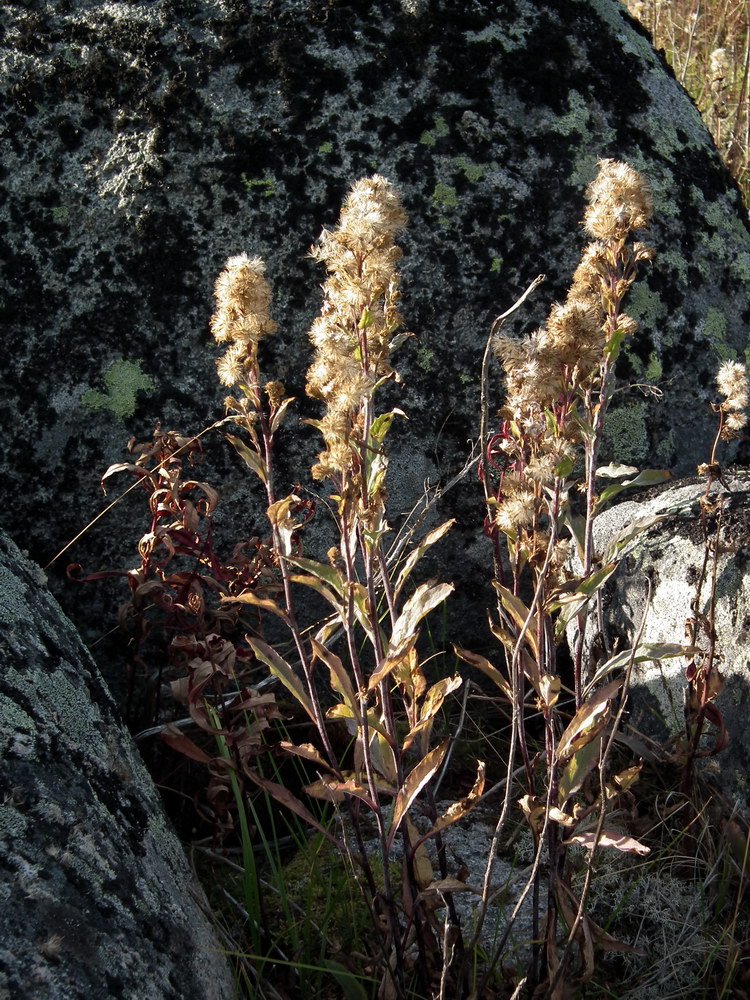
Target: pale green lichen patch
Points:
x,y
645,306
124,380
430,136
445,196
654,369
425,359
266,186
472,171
325,147
715,331
496,265
625,433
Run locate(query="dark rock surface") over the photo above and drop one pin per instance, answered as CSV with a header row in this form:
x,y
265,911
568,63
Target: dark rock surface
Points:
x,y
97,898
146,142
670,554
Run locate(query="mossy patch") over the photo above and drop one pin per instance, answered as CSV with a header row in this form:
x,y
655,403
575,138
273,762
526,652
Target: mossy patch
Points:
x,y
124,380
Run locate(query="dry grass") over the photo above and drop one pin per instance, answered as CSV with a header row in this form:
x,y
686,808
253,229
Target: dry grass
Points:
x,y
707,43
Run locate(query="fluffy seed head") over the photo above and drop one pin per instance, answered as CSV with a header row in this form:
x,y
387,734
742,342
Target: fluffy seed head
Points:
x,y
619,200
243,298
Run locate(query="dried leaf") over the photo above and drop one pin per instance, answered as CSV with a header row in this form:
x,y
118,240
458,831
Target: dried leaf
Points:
x,y
421,864
306,750
483,664
414,783
563,818
176,739
280,414
549,689
291,802
426,597
462,806
533,810
587,722
616,471
284,517
519,613
416,554
265,603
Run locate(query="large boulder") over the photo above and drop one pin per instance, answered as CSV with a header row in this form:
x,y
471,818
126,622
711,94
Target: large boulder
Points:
x,y
148,141
97,898
654,589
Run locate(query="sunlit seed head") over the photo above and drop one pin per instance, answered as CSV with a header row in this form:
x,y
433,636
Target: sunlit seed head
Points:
x,y
243,299
230,367
731,379
619,201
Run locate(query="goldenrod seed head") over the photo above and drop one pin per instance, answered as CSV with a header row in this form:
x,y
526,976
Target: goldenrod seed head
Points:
x,y
230,367
243,298
619,200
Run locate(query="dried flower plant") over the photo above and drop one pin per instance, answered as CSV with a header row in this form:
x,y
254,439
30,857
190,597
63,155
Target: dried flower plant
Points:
x,y
559,382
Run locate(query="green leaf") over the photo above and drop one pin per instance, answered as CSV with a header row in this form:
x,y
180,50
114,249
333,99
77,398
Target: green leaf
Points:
x,y
280,414
646,478
580,765
340,681
351,988
616,471
328,574
325,592
612,347
575,594
281,669
382,424
250,457
628,533
426,597
564,467
646,651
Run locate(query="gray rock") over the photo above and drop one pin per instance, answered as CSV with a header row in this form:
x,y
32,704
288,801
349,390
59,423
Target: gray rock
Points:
x,y
670,555
146,142
97,898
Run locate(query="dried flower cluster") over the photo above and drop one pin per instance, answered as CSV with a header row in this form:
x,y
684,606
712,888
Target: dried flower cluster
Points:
x,y
242,317
549,375
731,381
352,335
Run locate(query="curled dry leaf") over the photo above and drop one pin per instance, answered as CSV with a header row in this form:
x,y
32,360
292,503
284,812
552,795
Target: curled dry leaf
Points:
x,y
609,838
